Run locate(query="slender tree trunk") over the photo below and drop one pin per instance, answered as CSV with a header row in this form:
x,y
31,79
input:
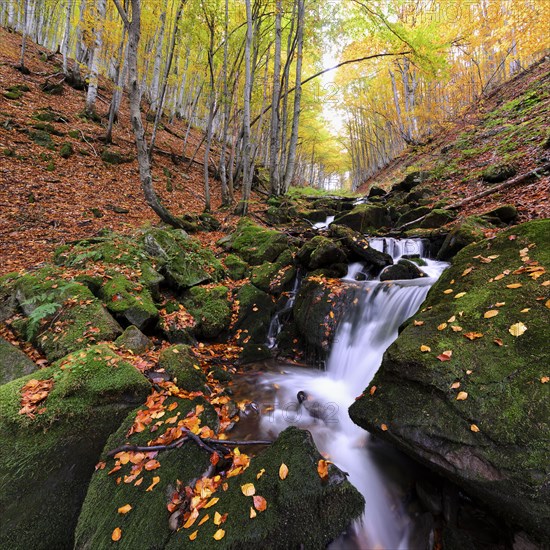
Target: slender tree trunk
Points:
x,y
119,87
91,96
275,121
24,38
67,36
155,84
226,199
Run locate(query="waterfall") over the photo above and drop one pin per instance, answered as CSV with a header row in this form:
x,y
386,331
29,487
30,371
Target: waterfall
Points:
x,y
280,316
371,325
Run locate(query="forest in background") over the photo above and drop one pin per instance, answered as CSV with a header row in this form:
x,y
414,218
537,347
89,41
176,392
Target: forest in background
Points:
x,y
242,71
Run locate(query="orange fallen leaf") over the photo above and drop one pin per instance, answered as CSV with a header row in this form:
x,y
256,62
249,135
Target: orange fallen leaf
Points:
x,y
474,428
156,479
322,469
383,427
455,385
456,328
260,473
442,326
219,534
152,465
473,335
191,519
545,379
193,535
253,513
462,396
448,291
445,356
117,534
372,390
466,271
248,489
211,502
418,323
283,471
498,342
425,349
205,519
260,503
514,285
490,313
125,509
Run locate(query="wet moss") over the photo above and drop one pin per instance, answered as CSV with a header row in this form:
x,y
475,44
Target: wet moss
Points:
x,y
180,363
237,269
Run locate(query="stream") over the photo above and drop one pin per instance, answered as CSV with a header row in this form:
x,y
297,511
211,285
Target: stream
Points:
x,y
368,329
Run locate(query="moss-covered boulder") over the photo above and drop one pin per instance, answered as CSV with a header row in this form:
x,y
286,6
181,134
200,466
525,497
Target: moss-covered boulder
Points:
x,y
134,340
412,215
48,460
303,510
321,252
130,301
468,231
236,268
211,309
412,180
403,269
365,218
256,308
507,213
475,404
183,260
255,244
13,362
275,277
437,218
180,363
63,316
497,173
359,250
147,524
376,191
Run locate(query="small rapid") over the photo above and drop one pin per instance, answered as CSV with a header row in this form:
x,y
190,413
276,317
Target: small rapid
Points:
x,y
370,326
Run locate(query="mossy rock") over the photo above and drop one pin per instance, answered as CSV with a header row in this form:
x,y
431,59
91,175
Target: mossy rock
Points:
x,y
147,524
275,277
211,309
17,94
8,300
48,115
303,510
129,300
254,243
237,269
321,252
437,218
255,311
112,157
253,353
179,362
134,340
13,363
80,319
403,269
468,231
498,173
494,441
413,215
412,180
66,150
42,138
376,191
182,260
507,213
365,218
47,461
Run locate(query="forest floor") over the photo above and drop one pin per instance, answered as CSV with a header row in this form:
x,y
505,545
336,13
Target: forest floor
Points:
x,y
508,126
47,200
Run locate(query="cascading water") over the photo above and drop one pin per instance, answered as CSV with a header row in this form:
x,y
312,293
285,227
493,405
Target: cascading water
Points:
x,y
276,324
369,328
320,226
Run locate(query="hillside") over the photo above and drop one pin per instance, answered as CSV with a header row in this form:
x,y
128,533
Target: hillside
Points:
x,y
509,127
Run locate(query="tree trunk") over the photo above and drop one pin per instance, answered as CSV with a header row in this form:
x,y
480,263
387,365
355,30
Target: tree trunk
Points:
x,y
275,121
91,96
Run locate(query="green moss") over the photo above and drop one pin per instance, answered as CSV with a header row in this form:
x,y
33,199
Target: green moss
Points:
x,y
13,363
274,277
365,218
211,309
66,150
179,362
237,269
112,157
47,461
255,310
42,138
255,244
506,462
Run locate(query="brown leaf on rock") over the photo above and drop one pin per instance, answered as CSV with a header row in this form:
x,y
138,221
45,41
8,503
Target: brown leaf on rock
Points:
x,y
473,335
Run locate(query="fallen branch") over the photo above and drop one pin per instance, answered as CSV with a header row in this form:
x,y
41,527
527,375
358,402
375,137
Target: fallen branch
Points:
x,y
536,173
84,139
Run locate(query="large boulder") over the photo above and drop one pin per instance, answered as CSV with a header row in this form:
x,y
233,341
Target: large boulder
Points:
x,y
256,308
134,340
468,231
211,309
181,365
474,404
497,173
321,252
275,277
48,457
403,269
13,362
365,218
412,180
255,244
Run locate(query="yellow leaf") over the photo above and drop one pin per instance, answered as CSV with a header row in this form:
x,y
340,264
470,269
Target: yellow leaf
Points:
x,y
459,295
490,313
420,323
525,310
191,519
283,471
331,314
156,479
117,534
518,329
219,534
205,519
248,489
455,385
452,319
193,535
466,271
217,518
125,509
462,396
424,348
500,304
547,304
515,285
469,371
253,513
448,291
211,502
474,428
442,326
473,335
456,328
260,473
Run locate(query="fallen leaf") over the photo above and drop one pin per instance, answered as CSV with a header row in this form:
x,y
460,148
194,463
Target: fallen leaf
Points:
x,y
490,313
205,519
211,502
260,473
469,371
514,285
500,304
125,509
253,513
473,335
217,519
191,519
474,428
452,319
455,385
445,356
420,323
219,534
248,489
193,535
517,329
547,304
260,503
424,348
152,465
372,390
283,471
322,469
448,291
442,326
466,271
459,295
383,427
156,479
498,342
525,310
545,379
117,534
456,328
462,396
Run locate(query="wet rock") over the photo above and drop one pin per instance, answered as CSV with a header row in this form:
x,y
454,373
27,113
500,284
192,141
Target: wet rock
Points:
x,y
211,309
468,231
493,441
321,252
179,362
236,268
437,218
275,277
506,213
412,180
403,269
8,301
375,191
498,173
255,310
413,215
47,461
365,218
253,353
13,362
134,340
